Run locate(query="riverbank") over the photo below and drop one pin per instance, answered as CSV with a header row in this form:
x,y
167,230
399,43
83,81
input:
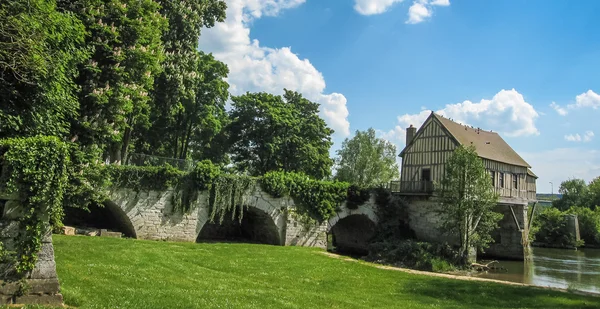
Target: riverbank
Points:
x,y
100,272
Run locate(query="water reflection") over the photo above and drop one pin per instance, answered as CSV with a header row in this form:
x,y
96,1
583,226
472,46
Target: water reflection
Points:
x,y
578,270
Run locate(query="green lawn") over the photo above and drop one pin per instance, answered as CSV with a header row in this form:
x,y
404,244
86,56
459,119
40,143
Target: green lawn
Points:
x,y
111,273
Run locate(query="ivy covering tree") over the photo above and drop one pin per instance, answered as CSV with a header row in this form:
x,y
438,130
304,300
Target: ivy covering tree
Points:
x,y
271,132
467,201
366,160
39,53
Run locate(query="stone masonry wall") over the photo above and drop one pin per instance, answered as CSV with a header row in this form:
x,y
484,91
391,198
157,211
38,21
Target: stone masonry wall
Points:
x,y
152,217
509,245
43,287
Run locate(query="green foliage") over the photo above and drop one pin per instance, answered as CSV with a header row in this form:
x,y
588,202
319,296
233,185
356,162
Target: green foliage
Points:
x,y
413,254
366,160
229,195
316,198
144,178
357,196
37,170
552,229
39,53
124,37
467,201
392,212
589,224
270,132
574,193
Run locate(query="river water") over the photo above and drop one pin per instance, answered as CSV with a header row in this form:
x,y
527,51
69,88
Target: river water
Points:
x,y
574,269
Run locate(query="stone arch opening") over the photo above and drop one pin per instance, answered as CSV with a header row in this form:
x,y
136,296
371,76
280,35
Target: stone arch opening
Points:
x,y
351,234
106,216
256,226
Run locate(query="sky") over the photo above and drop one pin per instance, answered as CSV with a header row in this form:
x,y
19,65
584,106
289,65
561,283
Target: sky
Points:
x,y
529,70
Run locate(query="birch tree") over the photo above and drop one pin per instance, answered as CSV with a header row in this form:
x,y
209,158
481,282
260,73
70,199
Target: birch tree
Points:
x,y
467,201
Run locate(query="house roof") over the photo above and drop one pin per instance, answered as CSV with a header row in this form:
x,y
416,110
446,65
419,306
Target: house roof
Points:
x,y
530,173
489,145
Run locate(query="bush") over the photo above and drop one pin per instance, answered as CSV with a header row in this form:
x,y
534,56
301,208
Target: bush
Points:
x,y
589,225
357,196
413,254
553,231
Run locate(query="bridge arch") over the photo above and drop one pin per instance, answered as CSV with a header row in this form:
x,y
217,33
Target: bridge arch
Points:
x,y
261,222
351,230
106,216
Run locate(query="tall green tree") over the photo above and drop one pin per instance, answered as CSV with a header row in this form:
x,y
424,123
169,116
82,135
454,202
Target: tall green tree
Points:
x,y
594,193
39,53
366,160
182,81
124,37
467,201
574,193
270,132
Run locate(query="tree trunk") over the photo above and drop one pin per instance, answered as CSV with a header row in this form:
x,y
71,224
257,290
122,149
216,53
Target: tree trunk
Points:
x,y
125,145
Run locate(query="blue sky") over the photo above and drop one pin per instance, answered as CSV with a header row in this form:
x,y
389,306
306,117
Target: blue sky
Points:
x,y
527,69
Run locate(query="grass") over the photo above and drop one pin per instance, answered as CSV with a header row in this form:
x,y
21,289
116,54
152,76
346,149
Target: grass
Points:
x,y
97,272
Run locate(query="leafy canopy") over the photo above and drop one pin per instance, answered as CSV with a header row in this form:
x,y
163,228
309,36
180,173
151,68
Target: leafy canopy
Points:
x,y
467,200
271,132
366,160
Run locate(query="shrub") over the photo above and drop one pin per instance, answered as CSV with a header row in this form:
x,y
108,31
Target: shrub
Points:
x,y
357,196
552,229
589,225
413,254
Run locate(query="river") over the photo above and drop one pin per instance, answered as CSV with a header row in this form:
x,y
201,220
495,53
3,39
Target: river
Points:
x,y
573,269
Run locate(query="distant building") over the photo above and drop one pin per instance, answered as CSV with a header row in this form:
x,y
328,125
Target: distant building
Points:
x,y
428,149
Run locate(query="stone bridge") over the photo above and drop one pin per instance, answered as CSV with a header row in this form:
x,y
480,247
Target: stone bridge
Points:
x,y
267,220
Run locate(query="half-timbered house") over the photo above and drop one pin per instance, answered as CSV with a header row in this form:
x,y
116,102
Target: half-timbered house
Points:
x,y
423,164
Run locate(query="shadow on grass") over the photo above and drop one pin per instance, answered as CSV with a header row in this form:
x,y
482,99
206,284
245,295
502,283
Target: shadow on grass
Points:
x,y
465,294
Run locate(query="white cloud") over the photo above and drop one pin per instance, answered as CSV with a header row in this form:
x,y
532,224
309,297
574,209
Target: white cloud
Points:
x,y
371,7
586,137
441,2
586,99
507,112
253,67
573,138
418,12
561,164
560,110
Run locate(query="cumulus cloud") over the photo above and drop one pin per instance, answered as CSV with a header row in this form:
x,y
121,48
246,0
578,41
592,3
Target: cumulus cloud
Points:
x,y
371,7
507,112
253,67
560,110
418,12
586,99
586,137
421,10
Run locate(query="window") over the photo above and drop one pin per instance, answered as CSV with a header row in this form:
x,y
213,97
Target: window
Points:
x,y
515,178
501,179
493,175
426,174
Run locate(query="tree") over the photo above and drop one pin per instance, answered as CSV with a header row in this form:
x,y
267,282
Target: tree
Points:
x,y
183,81
594,193
124,37
467,201
39,53
574,193
270,132
366,160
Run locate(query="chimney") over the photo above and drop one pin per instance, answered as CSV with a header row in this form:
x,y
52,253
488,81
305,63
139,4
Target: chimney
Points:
x,y
410,133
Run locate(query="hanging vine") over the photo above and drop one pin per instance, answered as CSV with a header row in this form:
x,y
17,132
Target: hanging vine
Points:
x,y
229,195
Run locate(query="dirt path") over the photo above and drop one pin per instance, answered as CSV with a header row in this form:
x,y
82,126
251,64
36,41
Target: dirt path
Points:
x,y
456,277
